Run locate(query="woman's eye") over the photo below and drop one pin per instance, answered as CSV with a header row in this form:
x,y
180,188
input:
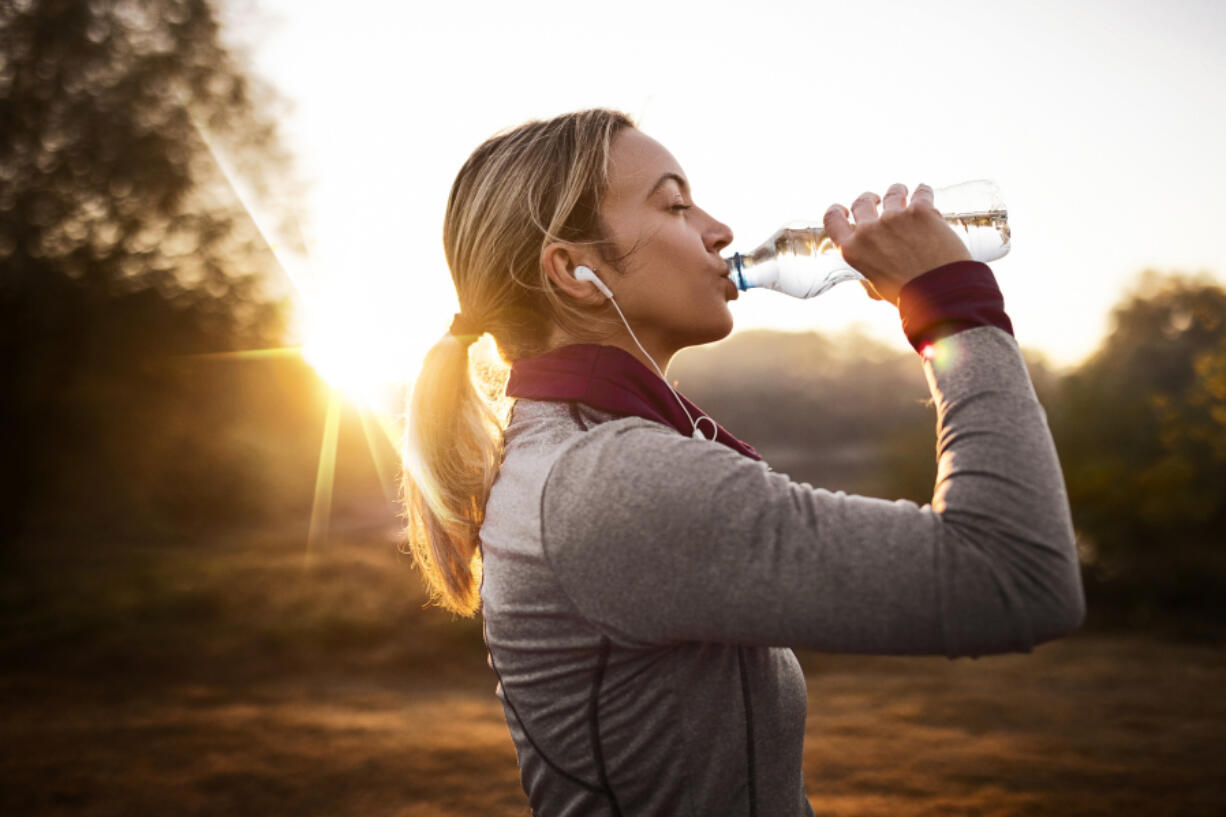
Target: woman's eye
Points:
x,y
681,206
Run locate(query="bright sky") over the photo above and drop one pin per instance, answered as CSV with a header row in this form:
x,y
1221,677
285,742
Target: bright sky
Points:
x,y
1102,122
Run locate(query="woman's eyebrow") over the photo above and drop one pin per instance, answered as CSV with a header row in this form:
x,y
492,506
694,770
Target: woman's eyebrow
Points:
x,y
681,182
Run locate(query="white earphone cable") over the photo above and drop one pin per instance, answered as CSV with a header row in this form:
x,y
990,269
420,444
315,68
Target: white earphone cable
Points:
x,y
695,423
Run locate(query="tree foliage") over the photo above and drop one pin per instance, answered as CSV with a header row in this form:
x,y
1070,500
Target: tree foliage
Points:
x,y
1141,428
842,412
122,250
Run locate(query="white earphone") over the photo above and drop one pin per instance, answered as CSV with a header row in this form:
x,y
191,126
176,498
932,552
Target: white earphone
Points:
x,y
583,273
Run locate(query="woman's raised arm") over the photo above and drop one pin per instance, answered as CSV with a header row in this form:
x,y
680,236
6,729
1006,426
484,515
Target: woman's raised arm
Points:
x,y
660,538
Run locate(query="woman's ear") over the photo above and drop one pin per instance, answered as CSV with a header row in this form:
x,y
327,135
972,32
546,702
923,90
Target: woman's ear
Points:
x,y
559,260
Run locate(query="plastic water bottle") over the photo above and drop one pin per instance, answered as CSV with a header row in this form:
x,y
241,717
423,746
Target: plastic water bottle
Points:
x,y
800,259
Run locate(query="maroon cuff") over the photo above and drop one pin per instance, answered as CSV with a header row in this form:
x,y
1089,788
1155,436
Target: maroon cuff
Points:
x,y
949,299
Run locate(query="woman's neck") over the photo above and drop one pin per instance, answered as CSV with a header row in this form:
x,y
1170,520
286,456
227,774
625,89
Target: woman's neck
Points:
x,y
655,359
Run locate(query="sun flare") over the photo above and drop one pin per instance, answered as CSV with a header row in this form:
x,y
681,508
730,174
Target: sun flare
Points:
x,y
372,365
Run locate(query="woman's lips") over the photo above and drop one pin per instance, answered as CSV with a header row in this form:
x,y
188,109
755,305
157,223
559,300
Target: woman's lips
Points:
x,y
733,293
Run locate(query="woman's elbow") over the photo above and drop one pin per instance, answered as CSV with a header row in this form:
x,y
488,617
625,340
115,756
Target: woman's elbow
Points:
x,y
1046,572
1062,609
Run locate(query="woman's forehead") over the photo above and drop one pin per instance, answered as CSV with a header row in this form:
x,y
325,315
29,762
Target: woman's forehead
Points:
x,y
638,164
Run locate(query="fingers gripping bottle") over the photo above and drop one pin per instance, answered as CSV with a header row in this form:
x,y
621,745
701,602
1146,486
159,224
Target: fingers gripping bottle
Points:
x,y
801,260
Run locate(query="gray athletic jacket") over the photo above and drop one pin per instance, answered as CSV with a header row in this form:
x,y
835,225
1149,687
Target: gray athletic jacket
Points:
x,y
642,590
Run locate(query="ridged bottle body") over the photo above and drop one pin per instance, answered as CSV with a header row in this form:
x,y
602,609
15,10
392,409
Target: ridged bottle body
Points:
x,y
802,261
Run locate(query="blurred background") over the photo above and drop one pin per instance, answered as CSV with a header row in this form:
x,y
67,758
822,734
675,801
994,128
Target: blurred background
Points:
x,y
220,266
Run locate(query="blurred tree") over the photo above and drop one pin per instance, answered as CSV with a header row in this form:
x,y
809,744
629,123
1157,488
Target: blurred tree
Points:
x,y
1142,433
841,412
122,249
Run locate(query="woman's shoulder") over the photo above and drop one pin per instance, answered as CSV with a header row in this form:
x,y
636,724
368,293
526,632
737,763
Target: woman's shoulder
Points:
x,y
634,473
542,433
575,459
561,424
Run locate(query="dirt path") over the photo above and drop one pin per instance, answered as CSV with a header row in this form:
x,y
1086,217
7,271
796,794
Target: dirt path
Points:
x,y
1086,726
1091,725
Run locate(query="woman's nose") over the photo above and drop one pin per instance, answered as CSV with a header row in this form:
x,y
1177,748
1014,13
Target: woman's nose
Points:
x,y
718,236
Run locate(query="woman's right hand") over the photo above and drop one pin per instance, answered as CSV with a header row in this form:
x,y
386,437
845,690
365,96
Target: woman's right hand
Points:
x,y
904,242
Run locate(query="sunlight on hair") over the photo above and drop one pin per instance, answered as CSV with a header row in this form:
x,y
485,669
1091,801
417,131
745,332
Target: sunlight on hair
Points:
x,y
489,375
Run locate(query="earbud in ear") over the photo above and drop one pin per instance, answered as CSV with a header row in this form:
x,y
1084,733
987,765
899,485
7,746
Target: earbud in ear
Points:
x,y
583,273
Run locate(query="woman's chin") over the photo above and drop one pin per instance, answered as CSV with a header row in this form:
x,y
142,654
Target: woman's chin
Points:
x,y
714,325
718,330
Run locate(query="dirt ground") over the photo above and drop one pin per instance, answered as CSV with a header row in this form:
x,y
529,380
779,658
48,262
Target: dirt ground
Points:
x,y
165,698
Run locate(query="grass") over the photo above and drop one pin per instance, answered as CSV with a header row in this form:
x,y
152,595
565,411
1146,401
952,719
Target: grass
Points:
x,y
240,678
1094,724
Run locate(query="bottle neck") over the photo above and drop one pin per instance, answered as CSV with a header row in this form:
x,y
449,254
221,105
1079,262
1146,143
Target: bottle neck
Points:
x,y
736,269
761,269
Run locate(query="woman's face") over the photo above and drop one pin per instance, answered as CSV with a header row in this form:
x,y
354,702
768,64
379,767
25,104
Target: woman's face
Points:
x,y
673,287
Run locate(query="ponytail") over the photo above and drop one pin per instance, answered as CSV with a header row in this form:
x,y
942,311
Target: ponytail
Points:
x,y
454,447
517,192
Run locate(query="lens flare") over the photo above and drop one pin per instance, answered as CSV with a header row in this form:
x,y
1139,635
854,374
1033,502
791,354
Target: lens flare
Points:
x,y
355,336
321,505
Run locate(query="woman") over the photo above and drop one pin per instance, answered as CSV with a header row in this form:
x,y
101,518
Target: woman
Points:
x,y
643,575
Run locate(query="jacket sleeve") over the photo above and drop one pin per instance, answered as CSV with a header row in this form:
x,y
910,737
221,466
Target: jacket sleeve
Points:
x,y
659,538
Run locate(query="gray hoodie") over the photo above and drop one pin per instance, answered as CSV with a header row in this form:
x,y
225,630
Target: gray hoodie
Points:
x,y
642,590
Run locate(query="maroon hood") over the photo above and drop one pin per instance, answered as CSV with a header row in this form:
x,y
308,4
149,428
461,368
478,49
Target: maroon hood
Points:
x,y
612,380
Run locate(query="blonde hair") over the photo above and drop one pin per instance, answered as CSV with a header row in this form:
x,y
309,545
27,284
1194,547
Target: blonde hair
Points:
x,y
519,191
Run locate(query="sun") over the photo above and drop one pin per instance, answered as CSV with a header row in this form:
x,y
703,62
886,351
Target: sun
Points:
x,y
354,299
362,347
364,318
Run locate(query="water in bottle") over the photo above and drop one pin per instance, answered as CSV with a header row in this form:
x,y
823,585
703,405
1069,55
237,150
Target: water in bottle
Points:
x,y
802,261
